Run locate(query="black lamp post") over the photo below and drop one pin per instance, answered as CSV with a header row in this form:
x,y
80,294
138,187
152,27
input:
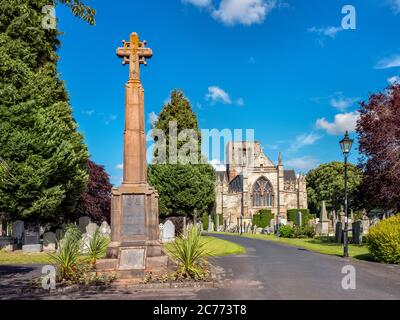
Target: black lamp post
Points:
x,y
346,145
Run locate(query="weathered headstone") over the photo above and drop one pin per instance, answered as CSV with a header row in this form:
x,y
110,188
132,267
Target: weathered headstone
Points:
x,y
105,229
168,231
357,232
31,242
339,232
91,229
83,223
210,224
18,230
49,241
299,219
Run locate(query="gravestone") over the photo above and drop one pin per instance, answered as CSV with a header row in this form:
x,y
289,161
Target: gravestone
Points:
x,y
83,223
357,232
105,229
18,230
339,232
31,242
168,232
299,219
91,229
210,224
49,241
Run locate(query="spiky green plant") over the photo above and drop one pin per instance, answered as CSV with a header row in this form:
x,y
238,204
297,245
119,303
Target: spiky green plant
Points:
x,y
96,247
67,258
190,251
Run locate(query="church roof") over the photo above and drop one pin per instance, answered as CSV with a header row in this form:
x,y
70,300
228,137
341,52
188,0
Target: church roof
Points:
x,y
289,175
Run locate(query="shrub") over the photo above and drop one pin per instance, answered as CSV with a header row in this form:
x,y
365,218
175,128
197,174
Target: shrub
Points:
x,y
286,231
205,222
67,258
263,219
303,232
190,251
305,215
96,247
383,240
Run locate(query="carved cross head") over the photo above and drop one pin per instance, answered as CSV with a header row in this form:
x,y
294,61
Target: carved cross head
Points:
x,y
134,53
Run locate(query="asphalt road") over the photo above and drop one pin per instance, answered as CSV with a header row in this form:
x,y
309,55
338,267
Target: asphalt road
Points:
x,y
274,271
268,271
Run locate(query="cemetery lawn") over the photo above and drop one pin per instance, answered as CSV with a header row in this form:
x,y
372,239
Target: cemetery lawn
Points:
x,y
318,245
219,247
18,257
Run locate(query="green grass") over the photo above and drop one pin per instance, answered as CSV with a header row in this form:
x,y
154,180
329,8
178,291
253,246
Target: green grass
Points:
x,y
219,247
18,257
318,245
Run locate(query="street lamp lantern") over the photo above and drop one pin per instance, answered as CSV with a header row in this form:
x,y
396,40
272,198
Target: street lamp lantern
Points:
x,y
346,144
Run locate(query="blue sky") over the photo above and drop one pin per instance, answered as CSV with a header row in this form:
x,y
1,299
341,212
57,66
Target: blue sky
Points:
x,y
286,69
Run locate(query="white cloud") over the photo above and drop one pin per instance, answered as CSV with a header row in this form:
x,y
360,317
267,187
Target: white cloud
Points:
x,y
216,94
305,163
152,118
217,165
330,31
395,4
341,103
390,62
393,80
199,3
304,140
246,12
120,166
342,122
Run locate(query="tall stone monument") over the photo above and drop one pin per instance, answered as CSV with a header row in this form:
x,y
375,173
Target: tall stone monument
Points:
x,y
134,205
322,227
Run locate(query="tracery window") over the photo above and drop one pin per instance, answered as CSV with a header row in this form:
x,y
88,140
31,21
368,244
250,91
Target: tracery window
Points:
x,y
262,193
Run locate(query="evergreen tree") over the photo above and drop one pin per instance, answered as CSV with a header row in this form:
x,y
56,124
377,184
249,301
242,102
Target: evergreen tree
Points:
x,y
42,154
183,188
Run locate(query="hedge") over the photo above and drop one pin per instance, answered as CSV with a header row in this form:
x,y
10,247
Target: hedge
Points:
x,y
383,240
305,215
214,219
263,219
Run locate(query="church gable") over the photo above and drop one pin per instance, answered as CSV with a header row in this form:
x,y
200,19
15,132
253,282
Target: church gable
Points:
x,y
260,159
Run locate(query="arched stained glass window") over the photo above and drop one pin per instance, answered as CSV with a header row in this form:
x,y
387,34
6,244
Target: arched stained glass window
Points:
x,y
262,193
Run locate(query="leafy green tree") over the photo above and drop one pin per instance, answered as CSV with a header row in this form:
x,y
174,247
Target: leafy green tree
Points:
x,y
42,154
183,188
327,183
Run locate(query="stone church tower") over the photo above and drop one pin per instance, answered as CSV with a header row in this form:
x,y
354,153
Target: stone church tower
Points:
x,y
252,182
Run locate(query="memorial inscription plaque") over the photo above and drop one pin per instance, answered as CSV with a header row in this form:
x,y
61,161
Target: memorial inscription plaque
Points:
x,y
134,214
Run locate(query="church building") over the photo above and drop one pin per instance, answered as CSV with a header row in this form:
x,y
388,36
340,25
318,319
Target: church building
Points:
x,y
252,182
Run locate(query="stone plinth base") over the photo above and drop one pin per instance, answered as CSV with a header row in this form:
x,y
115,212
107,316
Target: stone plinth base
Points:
x,y
134,232
32,248
322,228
